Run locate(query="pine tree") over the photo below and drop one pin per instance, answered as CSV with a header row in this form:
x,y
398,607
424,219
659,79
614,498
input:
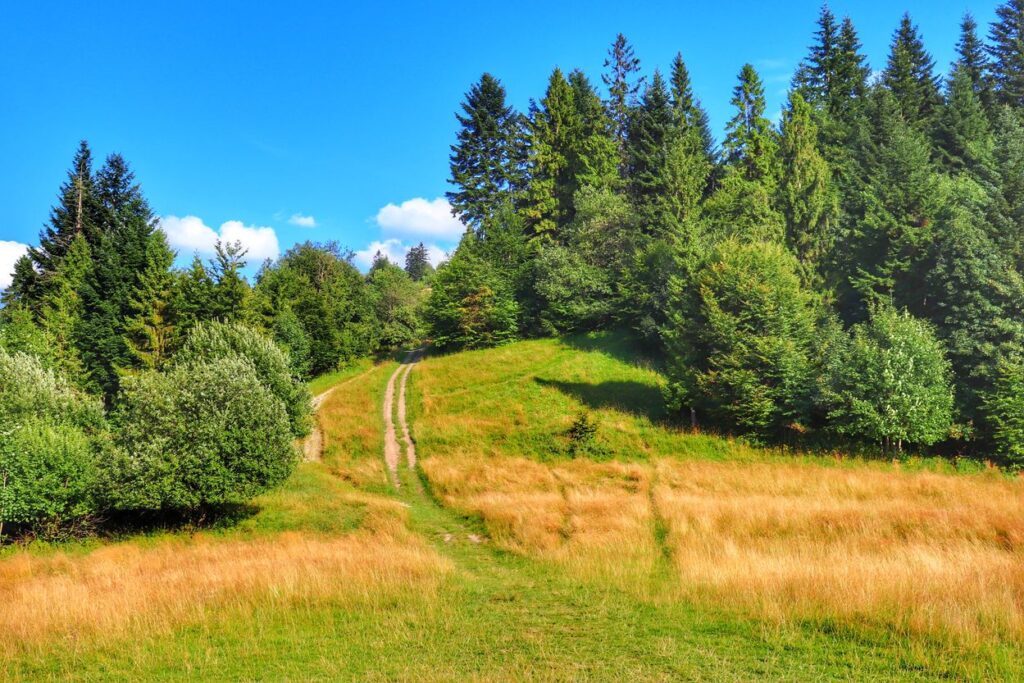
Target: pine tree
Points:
x,y
76,213
554,128
750,143
973,61
624,86
816,75
417,262
1006,38
688,110
910,76
487,162
595,158
650,130
62,309
963,133
149,332
807,196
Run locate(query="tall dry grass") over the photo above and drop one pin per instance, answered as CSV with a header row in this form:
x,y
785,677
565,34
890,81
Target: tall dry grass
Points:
x,y
352,435
922,552
123,589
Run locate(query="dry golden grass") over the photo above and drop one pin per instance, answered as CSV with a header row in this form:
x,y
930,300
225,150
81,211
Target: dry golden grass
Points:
x,y
123,589
930,553
352,435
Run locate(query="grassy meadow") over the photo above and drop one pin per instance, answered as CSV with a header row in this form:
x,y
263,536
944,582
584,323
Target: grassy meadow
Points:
x,y
660,555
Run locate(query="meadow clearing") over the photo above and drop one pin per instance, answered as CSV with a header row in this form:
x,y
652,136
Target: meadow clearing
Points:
x,y
660,555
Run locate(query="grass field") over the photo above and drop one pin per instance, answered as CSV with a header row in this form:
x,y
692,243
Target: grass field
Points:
x,y
662,556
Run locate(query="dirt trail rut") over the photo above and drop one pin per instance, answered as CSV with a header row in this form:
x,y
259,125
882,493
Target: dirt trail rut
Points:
x,y
392,448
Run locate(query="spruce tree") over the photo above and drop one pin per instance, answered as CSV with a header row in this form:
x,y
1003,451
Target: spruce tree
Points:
x,y
816,75
624,86
24,289
417,262
150,329
554,131
487,161
963,134
807,196
650,130
688,110
595,159
750,142
1006,47
910,76
973,61
62,309
76,213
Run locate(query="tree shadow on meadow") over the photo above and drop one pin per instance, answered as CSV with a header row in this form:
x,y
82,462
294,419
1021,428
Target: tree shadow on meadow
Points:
x,y
635,398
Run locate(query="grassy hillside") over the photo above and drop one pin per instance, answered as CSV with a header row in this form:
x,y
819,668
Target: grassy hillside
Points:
x,y
657,555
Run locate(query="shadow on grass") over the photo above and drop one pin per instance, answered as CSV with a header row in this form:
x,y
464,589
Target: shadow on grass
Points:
x,y
622,345
635,398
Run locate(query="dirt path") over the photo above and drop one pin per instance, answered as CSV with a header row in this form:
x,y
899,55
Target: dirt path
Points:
x,y
392,449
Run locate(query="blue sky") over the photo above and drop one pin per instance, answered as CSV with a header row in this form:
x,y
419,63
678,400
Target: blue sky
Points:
x,y
281,122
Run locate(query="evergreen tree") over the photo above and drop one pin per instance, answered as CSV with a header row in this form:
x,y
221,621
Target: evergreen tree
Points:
x,y
973,62
1006,216
624,86
62,309
417,262
1006,38
150,330
806,194
552,128
25,287
963,134
910,76
850,82
487,162
687,107
650,130
230,289
750,143
76,213
816,75
1004,408
595,158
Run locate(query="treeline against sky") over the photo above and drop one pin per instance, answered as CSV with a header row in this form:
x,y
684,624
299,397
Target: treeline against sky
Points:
x,y
853,273
131,390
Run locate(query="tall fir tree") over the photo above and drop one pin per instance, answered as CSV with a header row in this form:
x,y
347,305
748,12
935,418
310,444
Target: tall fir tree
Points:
x,y
487,161
150,329
963,134
972,59
910,76
807,196
816,75
417,262
688,109
650,131
750,142
595,158
62,311
77,213
624,86
1006,47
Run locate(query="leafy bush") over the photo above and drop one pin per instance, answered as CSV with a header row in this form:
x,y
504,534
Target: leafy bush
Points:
x,y
206,433
48,433
891,382
212,341
1004,411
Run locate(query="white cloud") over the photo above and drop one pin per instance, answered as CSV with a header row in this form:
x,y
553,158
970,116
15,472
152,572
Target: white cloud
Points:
x,y
190,234
395,251
419,217
302,221
10,252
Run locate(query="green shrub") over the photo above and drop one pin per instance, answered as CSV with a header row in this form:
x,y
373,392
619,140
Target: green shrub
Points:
x,y
47,474
211,341
1004,411
48,437
203,434
890,382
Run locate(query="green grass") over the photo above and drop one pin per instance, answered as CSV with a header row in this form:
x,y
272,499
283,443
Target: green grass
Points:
x,y
499,615
323,382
